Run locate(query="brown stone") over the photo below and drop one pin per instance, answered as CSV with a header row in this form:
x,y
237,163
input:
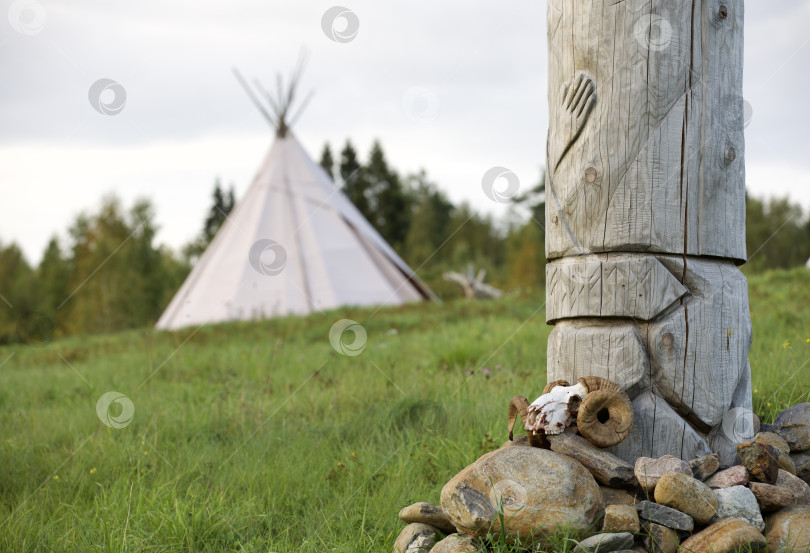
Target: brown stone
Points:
x,y
415,538
687,495
620,518
782,449
800,489
648,471
734,476
455,543
613,496
535,489
771,497
605,467
427,514
660,539
760,460
774,439
724,537
704,467
786,463
789,529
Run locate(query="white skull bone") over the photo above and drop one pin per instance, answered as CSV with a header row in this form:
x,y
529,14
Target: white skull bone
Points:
x,y
556,410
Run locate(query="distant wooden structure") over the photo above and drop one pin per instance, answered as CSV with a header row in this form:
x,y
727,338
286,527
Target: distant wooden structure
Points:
x,y
472,284
646,216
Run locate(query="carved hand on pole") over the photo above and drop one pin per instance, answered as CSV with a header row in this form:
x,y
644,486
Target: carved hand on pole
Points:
x,y
646,216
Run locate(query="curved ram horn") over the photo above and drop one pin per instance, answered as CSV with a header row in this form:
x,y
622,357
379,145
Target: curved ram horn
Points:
x,y
605,417
520,406
554,384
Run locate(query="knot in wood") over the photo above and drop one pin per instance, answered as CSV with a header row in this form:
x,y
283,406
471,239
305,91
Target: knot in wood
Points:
x,y
731,154
590,175
667,339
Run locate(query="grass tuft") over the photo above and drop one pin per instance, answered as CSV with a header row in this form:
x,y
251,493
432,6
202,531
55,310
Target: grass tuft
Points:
x,y
258,437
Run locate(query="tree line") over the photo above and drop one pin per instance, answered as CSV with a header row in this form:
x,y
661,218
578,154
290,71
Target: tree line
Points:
x,y
107,273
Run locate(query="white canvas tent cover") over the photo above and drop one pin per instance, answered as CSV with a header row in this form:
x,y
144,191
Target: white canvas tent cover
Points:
x,y
293,245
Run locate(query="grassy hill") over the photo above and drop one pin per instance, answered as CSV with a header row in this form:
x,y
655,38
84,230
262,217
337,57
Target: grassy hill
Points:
x,y
261,437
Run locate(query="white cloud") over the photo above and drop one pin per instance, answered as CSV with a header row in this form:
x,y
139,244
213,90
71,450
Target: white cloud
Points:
x,y
186,121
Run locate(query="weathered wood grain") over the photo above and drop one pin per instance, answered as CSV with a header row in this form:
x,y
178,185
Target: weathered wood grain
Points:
x,y
698,351
609,285
651,168
646,215
610,349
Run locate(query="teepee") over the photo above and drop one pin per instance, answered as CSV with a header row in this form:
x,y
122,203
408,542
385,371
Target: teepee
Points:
x,y
293,244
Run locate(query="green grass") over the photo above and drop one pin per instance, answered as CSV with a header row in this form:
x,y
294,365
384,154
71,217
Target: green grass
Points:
x,y
261,438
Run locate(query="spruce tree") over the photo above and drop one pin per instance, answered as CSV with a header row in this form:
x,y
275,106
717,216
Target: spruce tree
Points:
x,y
428,228
353,180
389,202
327,161
52,278
219,211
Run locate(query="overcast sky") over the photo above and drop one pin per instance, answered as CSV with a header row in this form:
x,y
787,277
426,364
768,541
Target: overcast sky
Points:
x,y
452,87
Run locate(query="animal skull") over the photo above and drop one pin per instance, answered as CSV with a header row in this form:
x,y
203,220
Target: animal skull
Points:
x,y
556,410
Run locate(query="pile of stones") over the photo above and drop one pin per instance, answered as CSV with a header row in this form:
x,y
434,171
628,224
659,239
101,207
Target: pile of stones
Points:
x,y
659,505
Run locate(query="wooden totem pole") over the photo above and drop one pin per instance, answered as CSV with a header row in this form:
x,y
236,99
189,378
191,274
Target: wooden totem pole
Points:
x,y
645,216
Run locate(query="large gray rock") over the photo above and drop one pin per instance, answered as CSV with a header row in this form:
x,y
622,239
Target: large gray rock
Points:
x,y
605,543
416,538
537,490
665,516
427,513
603,465
738,502
648,471
793,424
801,461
